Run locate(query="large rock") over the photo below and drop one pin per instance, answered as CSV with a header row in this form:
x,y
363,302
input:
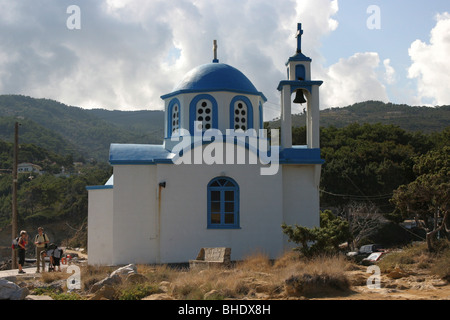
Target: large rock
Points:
x,y
38,297
11,291
110,281
135,278
107,292
165,286
125,271
397,273
158,296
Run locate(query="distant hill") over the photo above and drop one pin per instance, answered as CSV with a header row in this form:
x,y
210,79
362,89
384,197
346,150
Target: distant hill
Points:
x,y
425,119
146,122
85,134
73,130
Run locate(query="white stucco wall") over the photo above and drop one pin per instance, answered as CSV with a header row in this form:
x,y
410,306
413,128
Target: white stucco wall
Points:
x,y
152,224
184,212
100,223
301,203
135,225
301,195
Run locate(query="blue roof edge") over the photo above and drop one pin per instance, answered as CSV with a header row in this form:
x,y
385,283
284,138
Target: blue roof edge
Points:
x,y
175,93
143,154
102,187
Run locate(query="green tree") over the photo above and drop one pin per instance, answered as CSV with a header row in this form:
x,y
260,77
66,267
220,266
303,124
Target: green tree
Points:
x,y
426,199
367,162
323,240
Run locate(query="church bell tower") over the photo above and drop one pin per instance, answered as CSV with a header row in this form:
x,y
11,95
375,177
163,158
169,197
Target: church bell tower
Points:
x,y
306,92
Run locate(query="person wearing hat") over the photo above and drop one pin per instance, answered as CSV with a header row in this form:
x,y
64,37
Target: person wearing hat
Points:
x,y
40,241
23,241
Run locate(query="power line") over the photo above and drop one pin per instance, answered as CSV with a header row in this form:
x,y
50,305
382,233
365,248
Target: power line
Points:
x,y
383,196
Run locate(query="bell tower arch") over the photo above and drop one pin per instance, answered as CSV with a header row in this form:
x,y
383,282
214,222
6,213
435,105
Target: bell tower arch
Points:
x,y
306,91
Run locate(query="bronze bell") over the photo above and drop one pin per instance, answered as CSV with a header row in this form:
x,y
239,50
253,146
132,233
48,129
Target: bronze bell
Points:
x,y
299,98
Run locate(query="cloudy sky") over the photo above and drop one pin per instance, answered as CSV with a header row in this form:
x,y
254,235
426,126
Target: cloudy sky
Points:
x,y
125,54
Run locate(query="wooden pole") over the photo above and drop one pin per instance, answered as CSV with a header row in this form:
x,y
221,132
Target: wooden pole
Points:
x,y
15,230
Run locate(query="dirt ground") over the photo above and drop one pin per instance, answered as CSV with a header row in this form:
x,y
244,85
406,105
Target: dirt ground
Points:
x,y
417,284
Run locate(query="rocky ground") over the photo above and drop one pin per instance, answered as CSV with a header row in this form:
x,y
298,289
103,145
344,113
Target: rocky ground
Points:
x,y
398,284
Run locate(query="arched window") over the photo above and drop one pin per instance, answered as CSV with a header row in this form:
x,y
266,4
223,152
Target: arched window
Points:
x,y
241,113
223,203
203,108
204,114
174,118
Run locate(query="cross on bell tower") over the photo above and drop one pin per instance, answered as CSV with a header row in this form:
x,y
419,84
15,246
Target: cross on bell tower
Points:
x,y
299,37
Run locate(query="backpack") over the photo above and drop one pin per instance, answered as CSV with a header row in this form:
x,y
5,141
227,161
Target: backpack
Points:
x,y
15,243
45,239
57,253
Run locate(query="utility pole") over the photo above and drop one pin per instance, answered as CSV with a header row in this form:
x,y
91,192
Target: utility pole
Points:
x,y
14,193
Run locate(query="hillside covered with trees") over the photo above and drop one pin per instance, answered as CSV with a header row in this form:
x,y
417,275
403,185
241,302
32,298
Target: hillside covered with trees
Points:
x,y
87,134
73,130
376,176
409,118
54,193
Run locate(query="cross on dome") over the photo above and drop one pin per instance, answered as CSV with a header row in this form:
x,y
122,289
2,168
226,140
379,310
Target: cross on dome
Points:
x,y
215,52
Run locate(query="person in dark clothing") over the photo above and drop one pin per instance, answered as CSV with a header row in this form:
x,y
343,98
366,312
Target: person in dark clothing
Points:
x,y
23,241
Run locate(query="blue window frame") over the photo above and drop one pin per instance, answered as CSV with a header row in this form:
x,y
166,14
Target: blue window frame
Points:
x,y
241,113
174,117
223,203
203,108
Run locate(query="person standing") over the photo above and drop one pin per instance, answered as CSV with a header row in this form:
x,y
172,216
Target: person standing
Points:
x,y
41,240
23,241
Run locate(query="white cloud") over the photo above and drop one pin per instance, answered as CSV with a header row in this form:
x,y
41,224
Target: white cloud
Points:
x,y
352,80
130,52
389,75
431,65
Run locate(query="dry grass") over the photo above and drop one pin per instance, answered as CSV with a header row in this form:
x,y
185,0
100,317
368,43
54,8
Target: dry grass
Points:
x,y
256,274
92,274
254,277
410,257
255,262
157,273
49,277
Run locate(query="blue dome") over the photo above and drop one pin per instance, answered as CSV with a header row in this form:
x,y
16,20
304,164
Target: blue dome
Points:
x,y
215,77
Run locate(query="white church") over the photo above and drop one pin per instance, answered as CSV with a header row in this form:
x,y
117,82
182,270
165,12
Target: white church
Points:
x,y
217,180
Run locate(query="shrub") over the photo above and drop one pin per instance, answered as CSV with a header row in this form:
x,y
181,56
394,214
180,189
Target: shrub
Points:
x,y
322,276
138,291
255,262
441,266
408,256
324,240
